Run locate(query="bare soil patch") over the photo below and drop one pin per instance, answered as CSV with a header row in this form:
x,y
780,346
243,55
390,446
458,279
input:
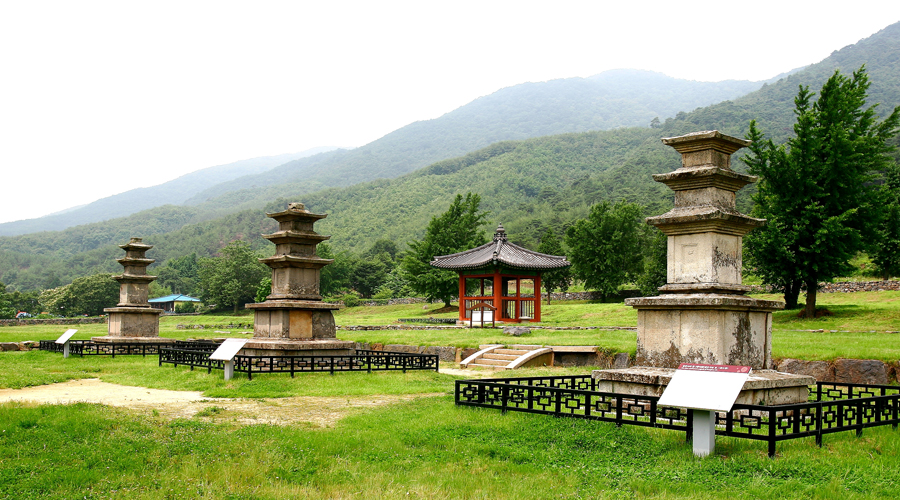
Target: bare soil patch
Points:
x,y
312,411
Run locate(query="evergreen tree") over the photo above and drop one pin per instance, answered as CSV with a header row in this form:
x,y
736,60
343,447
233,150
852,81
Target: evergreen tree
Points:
x,y
555,279
654,274
457,229
87,295
816,191
886,248
233,278
7,311
605,248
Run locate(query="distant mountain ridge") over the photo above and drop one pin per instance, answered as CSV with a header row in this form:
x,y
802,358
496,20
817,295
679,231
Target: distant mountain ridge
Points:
x,y
612,99
174,192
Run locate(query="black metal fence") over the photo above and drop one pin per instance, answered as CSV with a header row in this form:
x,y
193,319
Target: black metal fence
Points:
x,y
90,348
363,360
832,407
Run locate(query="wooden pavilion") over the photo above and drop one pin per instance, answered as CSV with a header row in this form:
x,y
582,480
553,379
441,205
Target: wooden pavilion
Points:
x,y
503,275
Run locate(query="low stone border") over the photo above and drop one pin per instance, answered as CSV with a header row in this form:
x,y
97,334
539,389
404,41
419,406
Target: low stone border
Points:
x,y
847,371
53,321
842,287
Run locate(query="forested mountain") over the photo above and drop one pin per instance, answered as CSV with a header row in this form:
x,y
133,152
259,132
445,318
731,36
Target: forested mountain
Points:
x,y
176,192
527,185
612,99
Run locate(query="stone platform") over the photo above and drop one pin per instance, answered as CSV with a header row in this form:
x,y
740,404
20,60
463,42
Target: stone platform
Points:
x,y
287,347
764,387
109,339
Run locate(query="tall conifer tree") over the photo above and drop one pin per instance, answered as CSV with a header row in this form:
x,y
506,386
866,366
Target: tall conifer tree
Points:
x,y
816,190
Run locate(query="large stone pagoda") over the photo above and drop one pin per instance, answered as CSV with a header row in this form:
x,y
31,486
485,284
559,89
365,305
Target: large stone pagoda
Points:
x,y
702,314
293,320
133,319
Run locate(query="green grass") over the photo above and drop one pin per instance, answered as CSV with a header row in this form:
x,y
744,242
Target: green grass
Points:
x,y
428,448
30,368
857,329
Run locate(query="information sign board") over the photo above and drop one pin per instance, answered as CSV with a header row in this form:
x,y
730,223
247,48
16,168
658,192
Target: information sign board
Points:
x,y
66,336
705,387
228,349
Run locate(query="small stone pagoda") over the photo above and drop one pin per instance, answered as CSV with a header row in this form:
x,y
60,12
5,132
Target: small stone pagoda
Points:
x,y
702,315
133,319
293,320
500,276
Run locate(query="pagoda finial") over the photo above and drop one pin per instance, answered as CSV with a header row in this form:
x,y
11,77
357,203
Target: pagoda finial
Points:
x,y
500,235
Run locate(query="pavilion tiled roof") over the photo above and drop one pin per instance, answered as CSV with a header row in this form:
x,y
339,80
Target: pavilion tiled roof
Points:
x,y
500,251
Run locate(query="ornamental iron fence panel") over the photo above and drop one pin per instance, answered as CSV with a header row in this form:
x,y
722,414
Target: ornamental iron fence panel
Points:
x,y
833,407
361,361
113,349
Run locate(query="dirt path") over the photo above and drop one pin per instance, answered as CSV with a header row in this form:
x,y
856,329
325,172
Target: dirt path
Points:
x,y
312,411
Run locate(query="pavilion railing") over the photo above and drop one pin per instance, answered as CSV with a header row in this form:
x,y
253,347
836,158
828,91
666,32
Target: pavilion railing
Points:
x,y
833,407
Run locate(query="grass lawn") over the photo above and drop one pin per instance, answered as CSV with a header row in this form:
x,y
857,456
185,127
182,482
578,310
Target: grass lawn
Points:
x,y
863,326
425,448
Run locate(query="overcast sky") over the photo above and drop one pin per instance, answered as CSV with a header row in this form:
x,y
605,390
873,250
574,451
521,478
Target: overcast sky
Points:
x,y
97,98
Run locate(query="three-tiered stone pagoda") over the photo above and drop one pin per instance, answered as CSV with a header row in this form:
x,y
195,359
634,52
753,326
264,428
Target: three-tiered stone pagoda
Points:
x,y
133,319
503,275
294,320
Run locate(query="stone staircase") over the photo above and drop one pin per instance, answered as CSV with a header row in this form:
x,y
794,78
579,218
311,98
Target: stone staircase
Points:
x,y
500,357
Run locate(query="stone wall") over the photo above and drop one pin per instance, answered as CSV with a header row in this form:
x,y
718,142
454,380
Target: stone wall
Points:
x,y
842,287
848,371
53,321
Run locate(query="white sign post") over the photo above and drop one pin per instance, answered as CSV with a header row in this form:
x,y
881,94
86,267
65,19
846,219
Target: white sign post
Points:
x,y
705,389
64,340
226,352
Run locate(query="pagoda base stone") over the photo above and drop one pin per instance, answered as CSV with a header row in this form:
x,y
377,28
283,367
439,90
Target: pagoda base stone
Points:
x,y
293,320
133,322
286,347
109,339
763,387
706,328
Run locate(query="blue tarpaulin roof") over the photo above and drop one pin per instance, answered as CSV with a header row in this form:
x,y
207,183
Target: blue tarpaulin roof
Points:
x,y
175,298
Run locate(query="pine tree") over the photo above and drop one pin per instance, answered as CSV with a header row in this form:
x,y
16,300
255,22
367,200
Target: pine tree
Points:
x,y
817,190
457,229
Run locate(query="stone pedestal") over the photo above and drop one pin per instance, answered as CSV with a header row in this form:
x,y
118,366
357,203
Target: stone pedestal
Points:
x,y
293,320
133,320
702,315
764,387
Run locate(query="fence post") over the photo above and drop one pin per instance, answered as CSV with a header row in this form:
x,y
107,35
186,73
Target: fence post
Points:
x,y
773,426
819,410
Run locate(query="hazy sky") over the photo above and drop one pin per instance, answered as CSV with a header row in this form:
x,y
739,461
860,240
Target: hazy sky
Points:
x,y
97,98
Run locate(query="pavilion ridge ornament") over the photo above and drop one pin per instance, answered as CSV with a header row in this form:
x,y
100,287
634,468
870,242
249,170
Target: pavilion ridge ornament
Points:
x,y
133,319
293,318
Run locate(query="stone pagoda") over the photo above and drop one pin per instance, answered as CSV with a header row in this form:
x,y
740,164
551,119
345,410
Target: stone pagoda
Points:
x,y
293,320
133,319
703,315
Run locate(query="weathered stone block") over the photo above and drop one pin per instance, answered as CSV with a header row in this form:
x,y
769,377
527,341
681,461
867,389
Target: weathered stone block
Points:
x,y
622,360
516,331
860,371
412,349
9,346
444,353
822,371
466,352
